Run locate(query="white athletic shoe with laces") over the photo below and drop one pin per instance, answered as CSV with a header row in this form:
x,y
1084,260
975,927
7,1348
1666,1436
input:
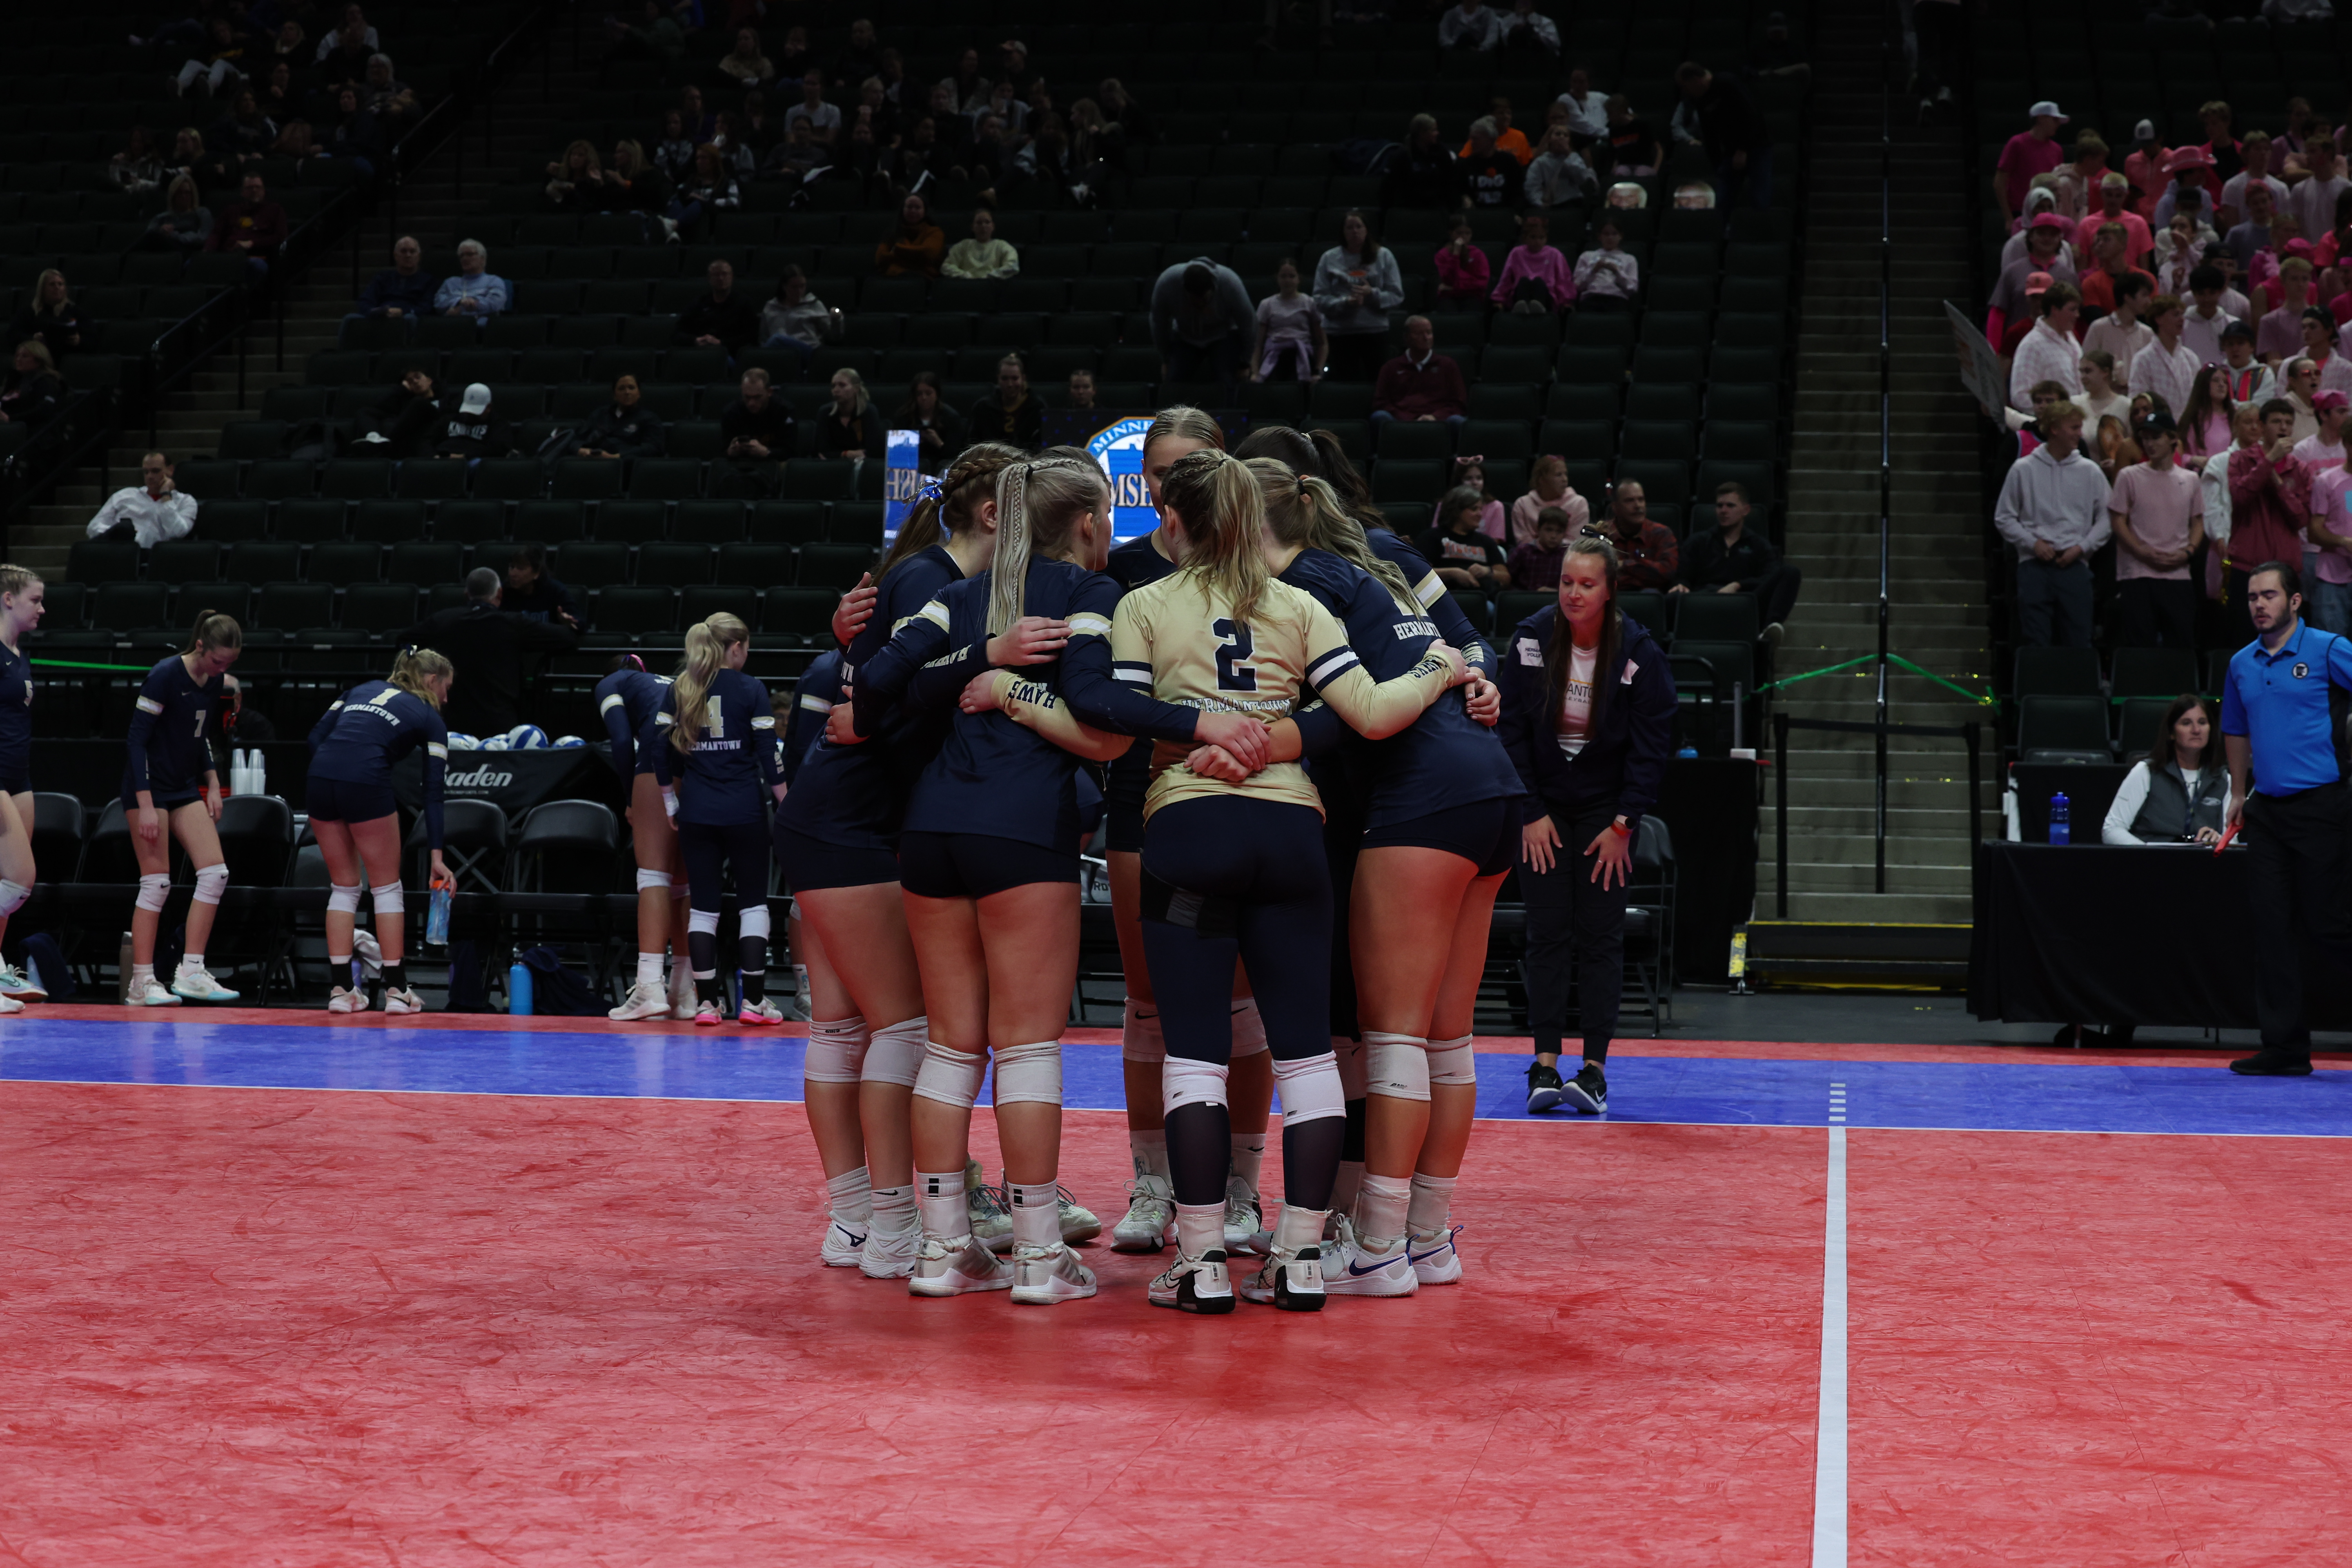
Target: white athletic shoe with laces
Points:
x,y
398,1003
1350,1270
707,1015
1150,1210
1078,1221
15,986
957,1265
843,1246
149,992
889,1254
1291,1278
1244,1221
198,985
1045,1275
643,1002
986,1211
682,998
760,1014
10,1004
344,999
1434,1260
1201,1284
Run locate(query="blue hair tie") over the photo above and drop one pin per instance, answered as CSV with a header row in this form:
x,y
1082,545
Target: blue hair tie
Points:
x,y
935,491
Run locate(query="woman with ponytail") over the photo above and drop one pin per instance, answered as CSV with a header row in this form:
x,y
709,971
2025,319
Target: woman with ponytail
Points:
x,y
836,840
715,766
1588,717
989,860
629,700
20,612
169,775
1216,652
356,743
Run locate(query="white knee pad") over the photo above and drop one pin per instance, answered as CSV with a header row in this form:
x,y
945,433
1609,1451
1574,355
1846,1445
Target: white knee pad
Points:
x,y
951,1077
343,900
753,921
896,1055
1249,1029
211,882
1030,1074
1452,1061
837,1049
651,879
389,900
153,889
1396,1064
1309,1087
1183,1082
1351,1056
705,921
1140,1040
12,897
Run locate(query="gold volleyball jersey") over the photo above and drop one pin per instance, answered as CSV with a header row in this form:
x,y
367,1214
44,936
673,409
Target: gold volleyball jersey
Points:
x,y
1185,648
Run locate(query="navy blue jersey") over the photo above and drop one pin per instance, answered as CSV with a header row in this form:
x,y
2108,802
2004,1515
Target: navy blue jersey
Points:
x,y
1451,623
1138,561
729,776
1445,758
628,701
854,796
369,728
15,713
992,777
1131,565
172,727
812,698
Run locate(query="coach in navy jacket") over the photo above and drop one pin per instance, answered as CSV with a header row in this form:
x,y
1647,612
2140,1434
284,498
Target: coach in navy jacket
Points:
x,y
1619,768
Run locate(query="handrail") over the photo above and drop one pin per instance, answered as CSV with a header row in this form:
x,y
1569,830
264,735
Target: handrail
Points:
x,y
1890,54
1879,727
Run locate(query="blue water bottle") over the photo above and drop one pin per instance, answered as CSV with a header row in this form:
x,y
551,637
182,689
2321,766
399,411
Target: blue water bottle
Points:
x,y
2060,831
519,989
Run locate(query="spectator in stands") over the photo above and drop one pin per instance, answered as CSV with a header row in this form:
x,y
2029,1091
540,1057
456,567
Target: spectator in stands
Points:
x,y
863,58
622,428
2328,583
794,158
1530,35
2203,426
2179,249
2166,367
2312,200
707,189
218,62
351,32
2100,397
2042,197
983,255
1290,337
1487,176
150,512
1535,279
824,120
137,170
399,422
2324,448
2120,331
917,246
656,36
1463,274
968,86
1588,109
1423,173
252,226
721,319
940,431
244,726
183,225
1547,489
279,96
1558,177
2319,337
747,61
390,100
2278,336
2033,151
1464,555
2300,395
476,430
353,133
1082,389
850,427
797,318
1508,137
2045,253
633,184
2049,352
2053,512
50,318
1648,556
2178,793
674,152
31,391
2195,188
1471,25
1420,385
2113,449
532,591
758,426
245,134
1733,132
2270,506
2113,205
2213,306
1494,519
1607,278
2254,176
1011,413
2250,380
1200,322
2157,514
1730,558
475,291
1534,563
403,288
575,183
488,648
1357,284
1126,121
2075,182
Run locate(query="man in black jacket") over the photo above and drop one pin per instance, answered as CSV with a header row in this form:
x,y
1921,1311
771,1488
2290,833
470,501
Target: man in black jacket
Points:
x,y
1733,132
720,320
1730,560
476,430
488,647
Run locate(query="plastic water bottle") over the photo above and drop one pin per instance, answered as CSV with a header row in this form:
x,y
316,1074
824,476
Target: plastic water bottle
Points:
x,y
2060,831
519,989
437,912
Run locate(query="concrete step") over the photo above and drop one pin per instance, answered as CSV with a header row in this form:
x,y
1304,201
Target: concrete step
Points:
x,y
1883,908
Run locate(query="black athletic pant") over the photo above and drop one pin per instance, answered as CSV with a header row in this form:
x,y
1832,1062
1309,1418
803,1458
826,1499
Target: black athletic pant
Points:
x,y
2157,612
2298,844
1572,918
709,851
1226,876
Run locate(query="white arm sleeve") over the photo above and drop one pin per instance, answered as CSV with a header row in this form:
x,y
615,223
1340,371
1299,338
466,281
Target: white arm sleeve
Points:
x,y
2129,797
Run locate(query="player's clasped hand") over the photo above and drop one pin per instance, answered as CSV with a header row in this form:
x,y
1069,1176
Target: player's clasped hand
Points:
x,y
1484,701
856,607
1242,737
979,693
1216,762
841,725
1032,639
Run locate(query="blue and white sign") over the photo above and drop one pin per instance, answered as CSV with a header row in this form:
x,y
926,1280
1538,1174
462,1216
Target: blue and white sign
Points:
x,y
1118,448
904,480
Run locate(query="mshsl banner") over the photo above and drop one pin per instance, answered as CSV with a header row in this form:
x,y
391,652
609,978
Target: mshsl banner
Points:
x,y
1116,441
904,479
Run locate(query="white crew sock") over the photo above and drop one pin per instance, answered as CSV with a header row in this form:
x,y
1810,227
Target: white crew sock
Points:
x,y
850,1194
1200,1227
1345,1185
939,1196
1433,1204
1149,1151
141,974
192,962
649,970
1249,1156
1380,1210
894,1209
1036,1214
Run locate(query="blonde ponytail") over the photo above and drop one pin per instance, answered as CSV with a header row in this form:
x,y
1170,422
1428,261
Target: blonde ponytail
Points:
x,y
16,579
1302,509
707,643
1217,497
1038,504
415,667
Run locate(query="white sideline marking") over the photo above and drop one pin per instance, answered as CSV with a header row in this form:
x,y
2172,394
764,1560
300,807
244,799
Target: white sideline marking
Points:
x,y
1829,1454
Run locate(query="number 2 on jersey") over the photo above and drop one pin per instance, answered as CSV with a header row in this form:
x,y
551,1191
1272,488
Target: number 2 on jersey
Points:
x,y
1234,650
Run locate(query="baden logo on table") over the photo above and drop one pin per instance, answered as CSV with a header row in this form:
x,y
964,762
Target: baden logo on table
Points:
x,y
483,778
1118,448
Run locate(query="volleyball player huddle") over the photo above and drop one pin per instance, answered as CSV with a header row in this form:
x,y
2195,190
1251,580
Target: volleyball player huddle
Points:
x,y
1265,681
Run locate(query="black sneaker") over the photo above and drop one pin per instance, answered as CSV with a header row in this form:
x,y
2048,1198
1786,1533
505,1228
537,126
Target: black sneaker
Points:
x,y
2263,1064
1543,1087
1588,1090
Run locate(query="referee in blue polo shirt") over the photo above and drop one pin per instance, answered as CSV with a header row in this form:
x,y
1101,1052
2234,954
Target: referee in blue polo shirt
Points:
x,y
2276,716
